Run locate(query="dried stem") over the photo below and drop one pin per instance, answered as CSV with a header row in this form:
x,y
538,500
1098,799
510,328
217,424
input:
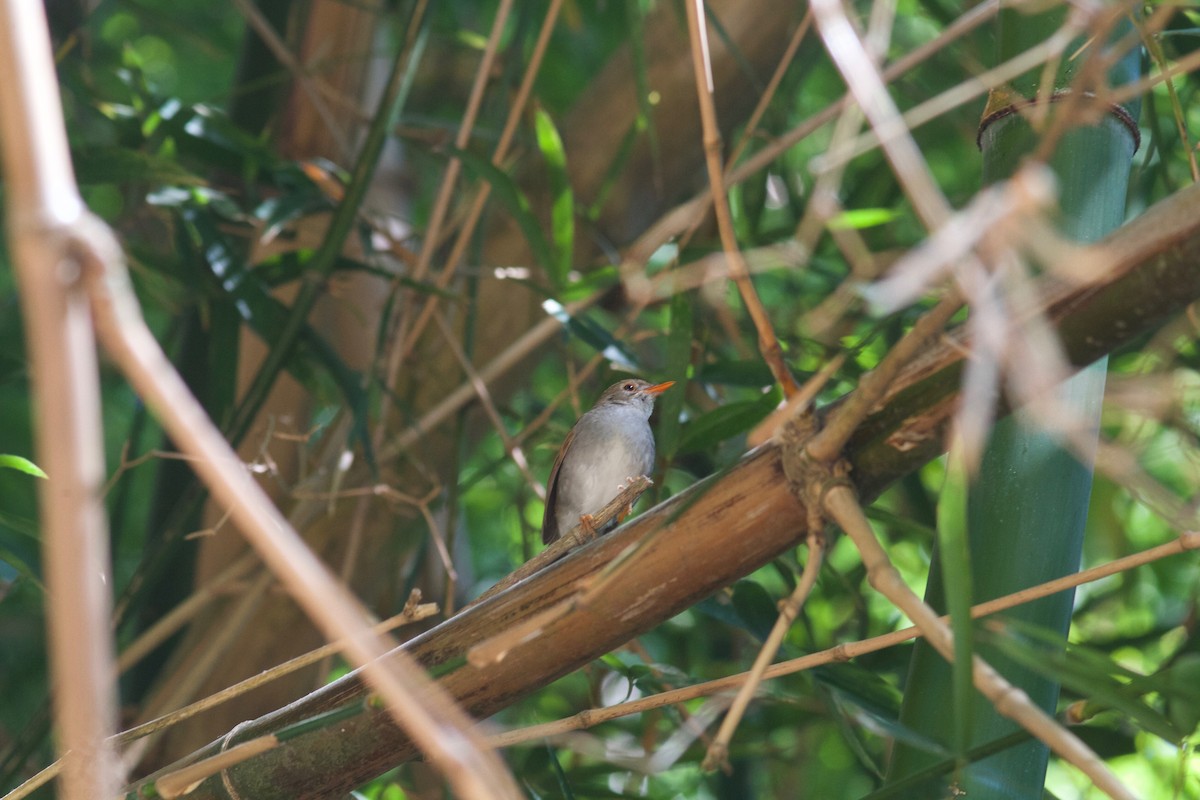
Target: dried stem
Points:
x,y
826,444
438,726
514,450
178,689
413,612
868,87
170,623
441,203
718,751
181,781
673,224
42,206
768,95
768,343
312,87
501,152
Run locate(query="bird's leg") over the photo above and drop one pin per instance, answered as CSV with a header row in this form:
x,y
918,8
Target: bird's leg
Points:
x,y
625,512
588,524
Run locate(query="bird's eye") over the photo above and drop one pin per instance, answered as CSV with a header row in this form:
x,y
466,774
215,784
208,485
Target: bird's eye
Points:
x,y
629,387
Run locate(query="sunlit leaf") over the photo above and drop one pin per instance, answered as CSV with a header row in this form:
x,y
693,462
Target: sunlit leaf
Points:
x,y
21,465
562,206
858,219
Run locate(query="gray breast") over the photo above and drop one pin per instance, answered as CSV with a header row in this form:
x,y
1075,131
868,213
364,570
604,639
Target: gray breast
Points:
x,y
618,445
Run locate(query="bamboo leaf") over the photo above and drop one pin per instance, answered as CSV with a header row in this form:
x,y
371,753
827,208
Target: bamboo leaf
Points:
x,y
21,464
513,199
679,358
727,421
860,218
956,577
562,207
98,165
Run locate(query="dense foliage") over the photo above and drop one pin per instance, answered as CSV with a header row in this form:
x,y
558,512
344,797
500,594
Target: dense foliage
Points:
x,y
182,136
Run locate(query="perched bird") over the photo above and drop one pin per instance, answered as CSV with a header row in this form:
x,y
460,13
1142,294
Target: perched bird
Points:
x,y
609,445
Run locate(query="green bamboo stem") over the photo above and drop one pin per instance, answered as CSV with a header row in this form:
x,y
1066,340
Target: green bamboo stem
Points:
x,y
1027,505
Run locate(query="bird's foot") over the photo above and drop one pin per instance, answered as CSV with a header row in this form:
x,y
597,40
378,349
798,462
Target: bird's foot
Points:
x,y
588,530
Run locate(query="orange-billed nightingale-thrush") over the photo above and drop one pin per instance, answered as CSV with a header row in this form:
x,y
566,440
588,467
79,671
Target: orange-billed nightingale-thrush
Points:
x,y
608,446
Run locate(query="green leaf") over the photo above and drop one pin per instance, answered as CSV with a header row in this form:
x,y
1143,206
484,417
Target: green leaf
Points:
x,y
615,167
1083,671
276,212
266,316
866,688
956,578
562,208
20,546
206,134
286,267
592,334
727,421
507,192
756,609
99,165
679,359
752,372
859,218
21,465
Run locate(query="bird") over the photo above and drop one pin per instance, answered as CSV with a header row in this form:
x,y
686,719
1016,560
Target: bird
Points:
x,y
609,445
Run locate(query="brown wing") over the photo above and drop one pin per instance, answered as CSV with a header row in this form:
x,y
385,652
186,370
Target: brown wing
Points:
x,y
550,531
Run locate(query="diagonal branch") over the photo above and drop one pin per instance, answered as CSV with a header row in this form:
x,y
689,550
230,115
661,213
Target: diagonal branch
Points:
x,y
721,529
426,713
768,342
42,203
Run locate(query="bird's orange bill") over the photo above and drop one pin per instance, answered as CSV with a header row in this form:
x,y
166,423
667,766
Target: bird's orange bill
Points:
x,y
659,388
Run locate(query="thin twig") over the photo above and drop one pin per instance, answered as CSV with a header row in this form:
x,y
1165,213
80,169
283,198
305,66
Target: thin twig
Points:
x,y
316,93
800,403
515,114
458,397
394,355
672,224
952,98
768,342
164,627
850,56
396,352
514,450
718,750
1137,88
1154,46
191,671
768,94
413,611
827,442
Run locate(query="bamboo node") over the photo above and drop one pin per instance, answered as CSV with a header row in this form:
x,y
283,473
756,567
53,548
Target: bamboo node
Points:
x,y
1004,102
808,478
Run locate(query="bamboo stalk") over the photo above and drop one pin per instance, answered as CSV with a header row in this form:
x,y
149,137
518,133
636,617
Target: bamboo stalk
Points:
x,y
1027,503
42,208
